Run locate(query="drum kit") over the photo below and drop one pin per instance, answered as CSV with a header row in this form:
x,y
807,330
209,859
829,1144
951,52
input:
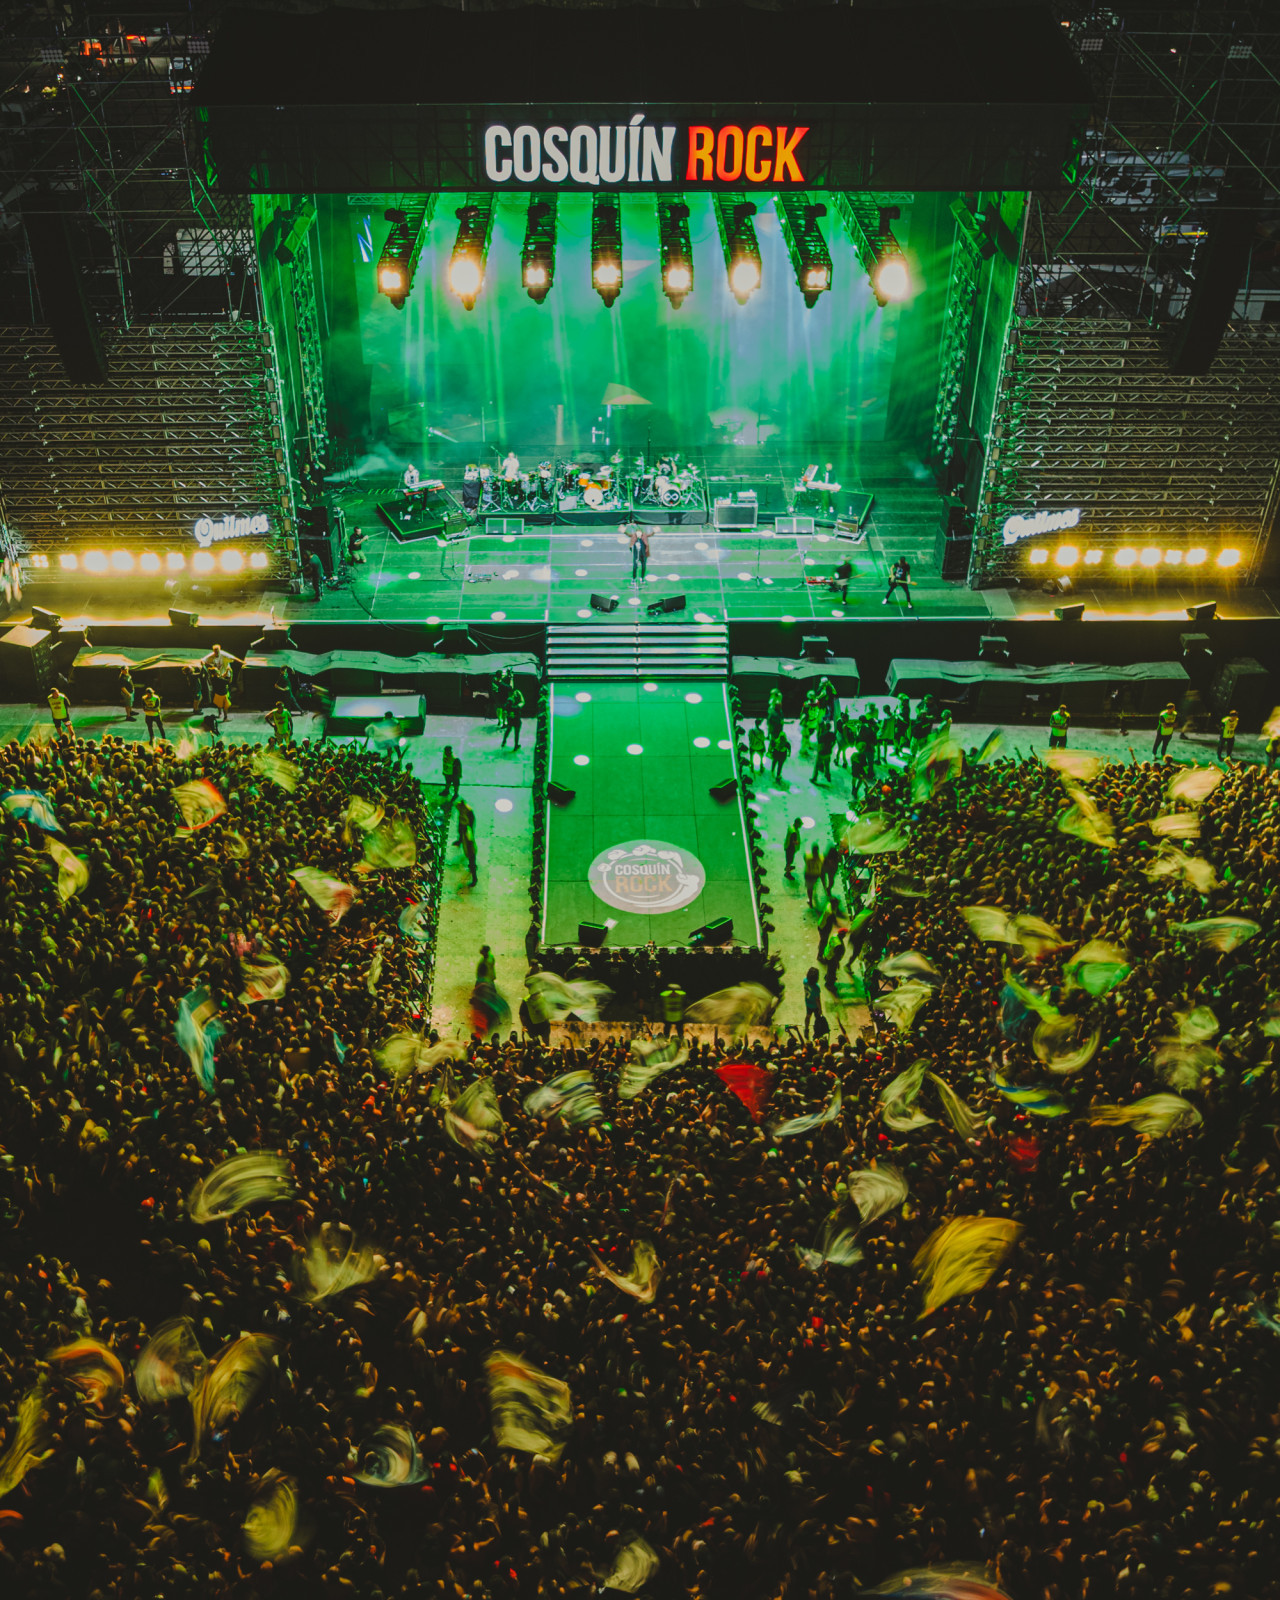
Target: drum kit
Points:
x,y
583,486
666,483
507,490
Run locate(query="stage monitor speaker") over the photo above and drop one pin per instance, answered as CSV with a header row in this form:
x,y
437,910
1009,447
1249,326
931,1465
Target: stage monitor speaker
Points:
x,y
592,934
1191,343
559,795
501,525
725,790
1069,613
455,642
183,619
993,647
45,621
273,639
669,602
26,663
604,602
1059,585
1194,645
1202,614
799,526
54,257
720,931
815,647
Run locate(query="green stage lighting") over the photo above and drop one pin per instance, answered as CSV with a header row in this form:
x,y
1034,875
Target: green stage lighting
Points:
x,y
741,247
471,248
675,248
890,280
606,247
404,244
538,257
798,217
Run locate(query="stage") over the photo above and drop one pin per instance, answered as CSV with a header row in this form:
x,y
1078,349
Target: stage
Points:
x,y
643,825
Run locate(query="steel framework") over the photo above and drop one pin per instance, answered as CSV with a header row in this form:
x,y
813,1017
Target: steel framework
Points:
x,y
188,426
962,292
1089,415
306,313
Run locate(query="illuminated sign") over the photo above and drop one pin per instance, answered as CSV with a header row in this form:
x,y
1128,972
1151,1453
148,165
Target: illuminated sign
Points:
x,y
1019,527
638,152
207,532
647,876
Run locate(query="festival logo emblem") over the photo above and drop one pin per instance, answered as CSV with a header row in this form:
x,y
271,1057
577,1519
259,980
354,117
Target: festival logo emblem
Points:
x,y
647,876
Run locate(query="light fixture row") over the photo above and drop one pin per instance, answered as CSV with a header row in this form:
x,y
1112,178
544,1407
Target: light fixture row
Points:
x,y
124,562
1069,555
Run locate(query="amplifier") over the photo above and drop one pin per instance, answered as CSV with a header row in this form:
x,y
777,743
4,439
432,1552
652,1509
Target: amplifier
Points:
x,y
26,664
736,515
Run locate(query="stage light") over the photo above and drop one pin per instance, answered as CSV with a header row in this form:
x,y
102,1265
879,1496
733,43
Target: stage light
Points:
x,y
1037,558
741,247
231,561
1228,558
68,562
1150,557
538,254
606,246
675,248
202,561
121,561
892,280
1173,558
1092,558
1197,557
1067,555
1126,558
175,561
258,560
149,561
471,248
399,258
798,217
95,561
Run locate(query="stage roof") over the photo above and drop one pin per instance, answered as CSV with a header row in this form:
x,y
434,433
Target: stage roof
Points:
x,y
913,97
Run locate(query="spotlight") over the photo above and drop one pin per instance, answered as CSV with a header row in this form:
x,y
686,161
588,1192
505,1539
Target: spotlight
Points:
x,y
399,258
149,561
68,561
175,561
121,561
741,248
202,561
538,255
1150,557
1126,558
606,246
1067,556
258,560
95,561
1037,558
869,225
231,561
1228,558
1197,557
675,248
1204,612
471,248
1093,558
1173,558
811,259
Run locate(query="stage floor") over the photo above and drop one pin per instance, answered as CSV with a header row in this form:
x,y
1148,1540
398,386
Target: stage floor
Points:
x,y
641,763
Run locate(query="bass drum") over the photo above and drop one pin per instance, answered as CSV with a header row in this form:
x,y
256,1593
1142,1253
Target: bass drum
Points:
x,y
668,492
593,496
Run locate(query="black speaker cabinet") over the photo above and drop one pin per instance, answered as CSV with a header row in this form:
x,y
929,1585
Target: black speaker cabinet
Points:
x,y
719,932
183,619
455,642
559,795
592,934
725,790
26,664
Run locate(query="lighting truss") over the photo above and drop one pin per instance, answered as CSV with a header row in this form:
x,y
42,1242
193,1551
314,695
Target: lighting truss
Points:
x,y
538,256
798,216
741,247
606,246
471,248
675,248
869,219
399,258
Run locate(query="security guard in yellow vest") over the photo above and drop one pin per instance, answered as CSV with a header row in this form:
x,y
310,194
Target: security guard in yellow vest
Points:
x,y
673,999
151,711
1059,722
60,706
1227,735
1166,722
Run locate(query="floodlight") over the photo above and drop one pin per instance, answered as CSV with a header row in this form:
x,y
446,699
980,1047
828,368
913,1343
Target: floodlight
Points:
x,y
149,561
1067,556
741,247
538,256
121,561
892,279
1197,557
798,217
675,248
68,561
95,561
1126,558
606,247
400,254
258,560
175,561
471,248
1150,556
1037,558
1228,558
231,561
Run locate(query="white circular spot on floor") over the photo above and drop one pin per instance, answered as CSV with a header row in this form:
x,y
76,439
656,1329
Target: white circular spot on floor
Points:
x,y
511,572
649,687
579,572
693,698
651,577
701,544
622,539
586,543
701,616
498,616
503,805
634,600
586,612
702,743
724,744
582,697
415,574
810,562
433,622
635,749
508,538
581,761
823,538
788,619
745,576
807,822
540,574
674,577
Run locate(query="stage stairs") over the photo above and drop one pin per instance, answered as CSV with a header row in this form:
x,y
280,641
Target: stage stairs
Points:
x,y
637,650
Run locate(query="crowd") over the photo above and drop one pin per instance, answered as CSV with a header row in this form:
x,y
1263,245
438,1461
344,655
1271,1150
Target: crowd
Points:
x,y
757,1415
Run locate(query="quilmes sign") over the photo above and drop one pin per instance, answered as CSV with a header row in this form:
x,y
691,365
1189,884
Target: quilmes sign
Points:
x,y
640,152
1037,522
207,531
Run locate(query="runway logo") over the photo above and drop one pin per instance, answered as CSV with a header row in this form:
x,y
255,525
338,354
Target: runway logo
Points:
x,y
646,876
639,152
1016,528
207,532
